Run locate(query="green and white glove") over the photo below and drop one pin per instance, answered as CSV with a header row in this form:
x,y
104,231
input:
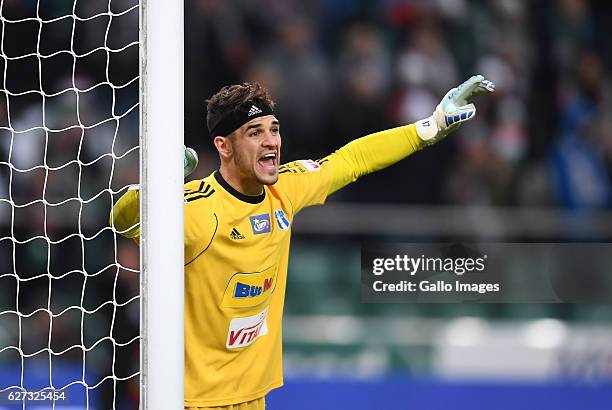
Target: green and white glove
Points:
x,y
455,108
190,162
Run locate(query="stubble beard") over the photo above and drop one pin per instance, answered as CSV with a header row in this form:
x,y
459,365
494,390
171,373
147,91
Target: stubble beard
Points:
x,y
250,171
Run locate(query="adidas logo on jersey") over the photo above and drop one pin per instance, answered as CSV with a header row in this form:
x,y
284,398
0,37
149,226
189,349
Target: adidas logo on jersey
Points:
x,y
254,110
235,235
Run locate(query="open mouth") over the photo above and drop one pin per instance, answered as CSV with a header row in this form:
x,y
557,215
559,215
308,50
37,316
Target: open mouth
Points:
x,y
268,161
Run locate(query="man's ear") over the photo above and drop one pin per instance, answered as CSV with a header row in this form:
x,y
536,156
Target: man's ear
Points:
x,y
224,146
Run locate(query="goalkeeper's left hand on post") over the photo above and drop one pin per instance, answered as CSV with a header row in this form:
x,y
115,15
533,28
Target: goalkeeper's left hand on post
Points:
x,y
190,161
125,215
455,108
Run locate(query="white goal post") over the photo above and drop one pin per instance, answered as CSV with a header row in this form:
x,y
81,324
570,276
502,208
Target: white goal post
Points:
x,y
91,102
162,258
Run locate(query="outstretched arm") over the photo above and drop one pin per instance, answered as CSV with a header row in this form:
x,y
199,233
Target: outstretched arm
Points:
x,y
371,153
377,151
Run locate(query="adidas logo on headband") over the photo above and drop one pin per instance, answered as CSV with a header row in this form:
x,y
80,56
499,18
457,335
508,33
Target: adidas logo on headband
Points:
x,y
254,110
238,117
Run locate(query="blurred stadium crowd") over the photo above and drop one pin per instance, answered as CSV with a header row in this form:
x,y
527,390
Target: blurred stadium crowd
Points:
x,y
342,69
69,124
338,69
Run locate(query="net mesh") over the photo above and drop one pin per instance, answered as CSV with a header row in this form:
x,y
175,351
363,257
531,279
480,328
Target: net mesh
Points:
x,y
69,118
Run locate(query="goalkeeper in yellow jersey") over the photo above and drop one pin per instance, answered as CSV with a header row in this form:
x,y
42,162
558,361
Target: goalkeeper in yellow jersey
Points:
x,y
238,227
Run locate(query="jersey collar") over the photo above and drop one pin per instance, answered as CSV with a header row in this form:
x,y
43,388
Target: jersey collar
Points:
x,y
239,195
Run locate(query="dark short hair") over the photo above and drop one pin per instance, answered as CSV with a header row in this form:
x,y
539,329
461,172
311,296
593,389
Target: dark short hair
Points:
x,y
233,97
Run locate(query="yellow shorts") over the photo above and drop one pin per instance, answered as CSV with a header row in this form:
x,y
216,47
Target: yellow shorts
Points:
x,y
257,404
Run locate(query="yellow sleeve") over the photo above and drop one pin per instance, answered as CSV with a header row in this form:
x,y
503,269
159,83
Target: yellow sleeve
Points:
x,y
125,215
304,182
308,182
370,153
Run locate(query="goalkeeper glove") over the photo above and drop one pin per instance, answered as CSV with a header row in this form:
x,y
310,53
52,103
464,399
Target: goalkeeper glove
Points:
x,y
455,108
190,162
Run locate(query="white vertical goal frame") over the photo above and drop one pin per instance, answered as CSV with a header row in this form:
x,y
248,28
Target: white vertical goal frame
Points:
x,y
162,255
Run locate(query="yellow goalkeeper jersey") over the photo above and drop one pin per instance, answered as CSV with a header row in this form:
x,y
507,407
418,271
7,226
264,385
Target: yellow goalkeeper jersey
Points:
x,y
236,256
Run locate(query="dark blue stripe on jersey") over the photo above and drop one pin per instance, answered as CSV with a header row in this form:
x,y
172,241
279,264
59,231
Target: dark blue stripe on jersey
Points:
x,y
206,195
203,189
191,191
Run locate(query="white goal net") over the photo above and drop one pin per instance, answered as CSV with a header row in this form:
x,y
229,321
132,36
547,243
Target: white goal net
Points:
x,y
69,147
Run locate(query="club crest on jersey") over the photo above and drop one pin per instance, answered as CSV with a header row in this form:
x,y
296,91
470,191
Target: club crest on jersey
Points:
x,y
260,223
281,219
